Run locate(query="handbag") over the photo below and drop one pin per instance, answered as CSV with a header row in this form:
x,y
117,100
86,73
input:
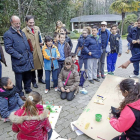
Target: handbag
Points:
x,y
67,78
115,112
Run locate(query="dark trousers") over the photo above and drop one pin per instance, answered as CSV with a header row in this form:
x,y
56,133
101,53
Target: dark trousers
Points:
x,y
60,63
134,51
111,62
54,77
40,75
0,70
121,137
67,95
50,134
26,78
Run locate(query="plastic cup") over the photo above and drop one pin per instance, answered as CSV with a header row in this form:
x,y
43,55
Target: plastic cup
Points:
x,y
98,117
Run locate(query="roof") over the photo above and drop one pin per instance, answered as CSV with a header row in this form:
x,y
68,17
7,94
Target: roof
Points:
x,y
95,18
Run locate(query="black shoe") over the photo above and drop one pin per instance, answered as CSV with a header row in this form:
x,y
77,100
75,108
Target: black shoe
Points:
x,y
91,81
103,76
35,85
97,80
27,92
42,81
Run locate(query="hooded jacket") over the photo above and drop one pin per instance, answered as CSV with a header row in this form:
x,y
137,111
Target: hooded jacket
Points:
x,y
129,121
30,127
74,79
9,101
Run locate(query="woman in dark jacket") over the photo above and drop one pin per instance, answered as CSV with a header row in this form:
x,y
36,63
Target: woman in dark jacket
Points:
x,y
68,40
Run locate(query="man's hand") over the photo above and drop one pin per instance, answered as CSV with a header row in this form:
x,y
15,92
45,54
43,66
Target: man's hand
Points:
x,y
125,65
67,90
62,89
134,41
89,53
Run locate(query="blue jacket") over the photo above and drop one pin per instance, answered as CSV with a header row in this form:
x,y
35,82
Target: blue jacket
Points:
x,y
9,104
94,46
17,46
81,42
132,36
48,54
108,35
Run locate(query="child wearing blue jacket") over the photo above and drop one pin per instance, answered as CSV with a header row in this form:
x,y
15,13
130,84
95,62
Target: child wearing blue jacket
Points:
x,y
93,51
9,98
51,55
79,48
115,50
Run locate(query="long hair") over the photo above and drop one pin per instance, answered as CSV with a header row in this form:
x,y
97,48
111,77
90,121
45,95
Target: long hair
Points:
x,y
30,104
133,89
56,28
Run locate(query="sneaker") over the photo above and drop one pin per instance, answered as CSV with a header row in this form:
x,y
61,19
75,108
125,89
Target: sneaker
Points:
x,y
110,73
56,89
98,76
91,81
97,80
103,76
134,76
46,91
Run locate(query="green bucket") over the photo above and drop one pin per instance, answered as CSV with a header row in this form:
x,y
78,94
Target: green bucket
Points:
x,y
98,117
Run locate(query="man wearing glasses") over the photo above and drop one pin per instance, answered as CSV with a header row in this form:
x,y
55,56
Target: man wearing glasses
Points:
x,y
17,46
104,33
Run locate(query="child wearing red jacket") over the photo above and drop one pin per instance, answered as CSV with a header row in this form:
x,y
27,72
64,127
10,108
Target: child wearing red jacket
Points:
x,y
31,122
129,120
73,55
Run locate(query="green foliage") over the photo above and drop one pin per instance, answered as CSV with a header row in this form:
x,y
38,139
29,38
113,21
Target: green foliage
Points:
x,y
75,31
73,35
129,18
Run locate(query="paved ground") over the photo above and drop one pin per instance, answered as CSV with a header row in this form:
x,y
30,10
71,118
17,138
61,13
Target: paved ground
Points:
x,y
71,110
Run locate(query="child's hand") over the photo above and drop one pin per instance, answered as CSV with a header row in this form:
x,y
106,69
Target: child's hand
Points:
x,y
134,41
62,89
89,53
119,55
52,58
58,58
67,90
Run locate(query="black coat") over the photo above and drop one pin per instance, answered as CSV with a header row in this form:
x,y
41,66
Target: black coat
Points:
x,y
68,40
17,46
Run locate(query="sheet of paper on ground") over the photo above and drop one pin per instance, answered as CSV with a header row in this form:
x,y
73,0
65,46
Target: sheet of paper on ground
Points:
x,y
54,116
86,122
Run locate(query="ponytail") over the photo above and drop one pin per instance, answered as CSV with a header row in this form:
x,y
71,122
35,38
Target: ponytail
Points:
x,y
30,104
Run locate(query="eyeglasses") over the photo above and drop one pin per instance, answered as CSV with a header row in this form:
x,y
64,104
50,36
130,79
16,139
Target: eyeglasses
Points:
x,y
17,24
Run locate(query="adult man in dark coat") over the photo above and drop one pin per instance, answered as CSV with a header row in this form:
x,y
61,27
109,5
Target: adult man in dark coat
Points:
x,y
17,46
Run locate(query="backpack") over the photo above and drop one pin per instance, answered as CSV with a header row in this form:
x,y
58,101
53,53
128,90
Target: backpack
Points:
x,y
83,77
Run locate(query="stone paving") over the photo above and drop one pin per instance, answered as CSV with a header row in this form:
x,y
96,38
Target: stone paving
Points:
x,y
71,110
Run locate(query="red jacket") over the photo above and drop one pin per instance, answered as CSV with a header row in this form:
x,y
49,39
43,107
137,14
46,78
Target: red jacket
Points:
x,y
127,117
30,128
76,63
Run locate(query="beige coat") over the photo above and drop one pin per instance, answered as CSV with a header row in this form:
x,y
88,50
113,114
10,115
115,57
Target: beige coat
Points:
x,y
37,53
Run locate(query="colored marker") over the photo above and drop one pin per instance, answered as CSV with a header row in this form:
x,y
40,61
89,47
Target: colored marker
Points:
x,y
100,138
100,96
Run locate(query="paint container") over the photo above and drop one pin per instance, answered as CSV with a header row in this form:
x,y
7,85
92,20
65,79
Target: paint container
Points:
x,y
98,117
83,91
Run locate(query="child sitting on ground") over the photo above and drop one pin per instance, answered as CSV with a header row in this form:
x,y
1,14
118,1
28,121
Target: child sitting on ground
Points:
x,y
51,54
68,80
9,98
29,122
73,55
115,50
129,120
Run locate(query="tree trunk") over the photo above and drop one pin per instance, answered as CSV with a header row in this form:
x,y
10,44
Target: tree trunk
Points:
x,y
19,9
123,17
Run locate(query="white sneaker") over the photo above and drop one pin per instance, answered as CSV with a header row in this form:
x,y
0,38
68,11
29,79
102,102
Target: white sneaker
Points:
x,y
56,89
46,91
134,76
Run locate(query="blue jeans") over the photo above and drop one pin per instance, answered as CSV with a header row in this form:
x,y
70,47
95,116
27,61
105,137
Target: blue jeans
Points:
x,y
54,77
81,62
111,61
135,64
50,134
